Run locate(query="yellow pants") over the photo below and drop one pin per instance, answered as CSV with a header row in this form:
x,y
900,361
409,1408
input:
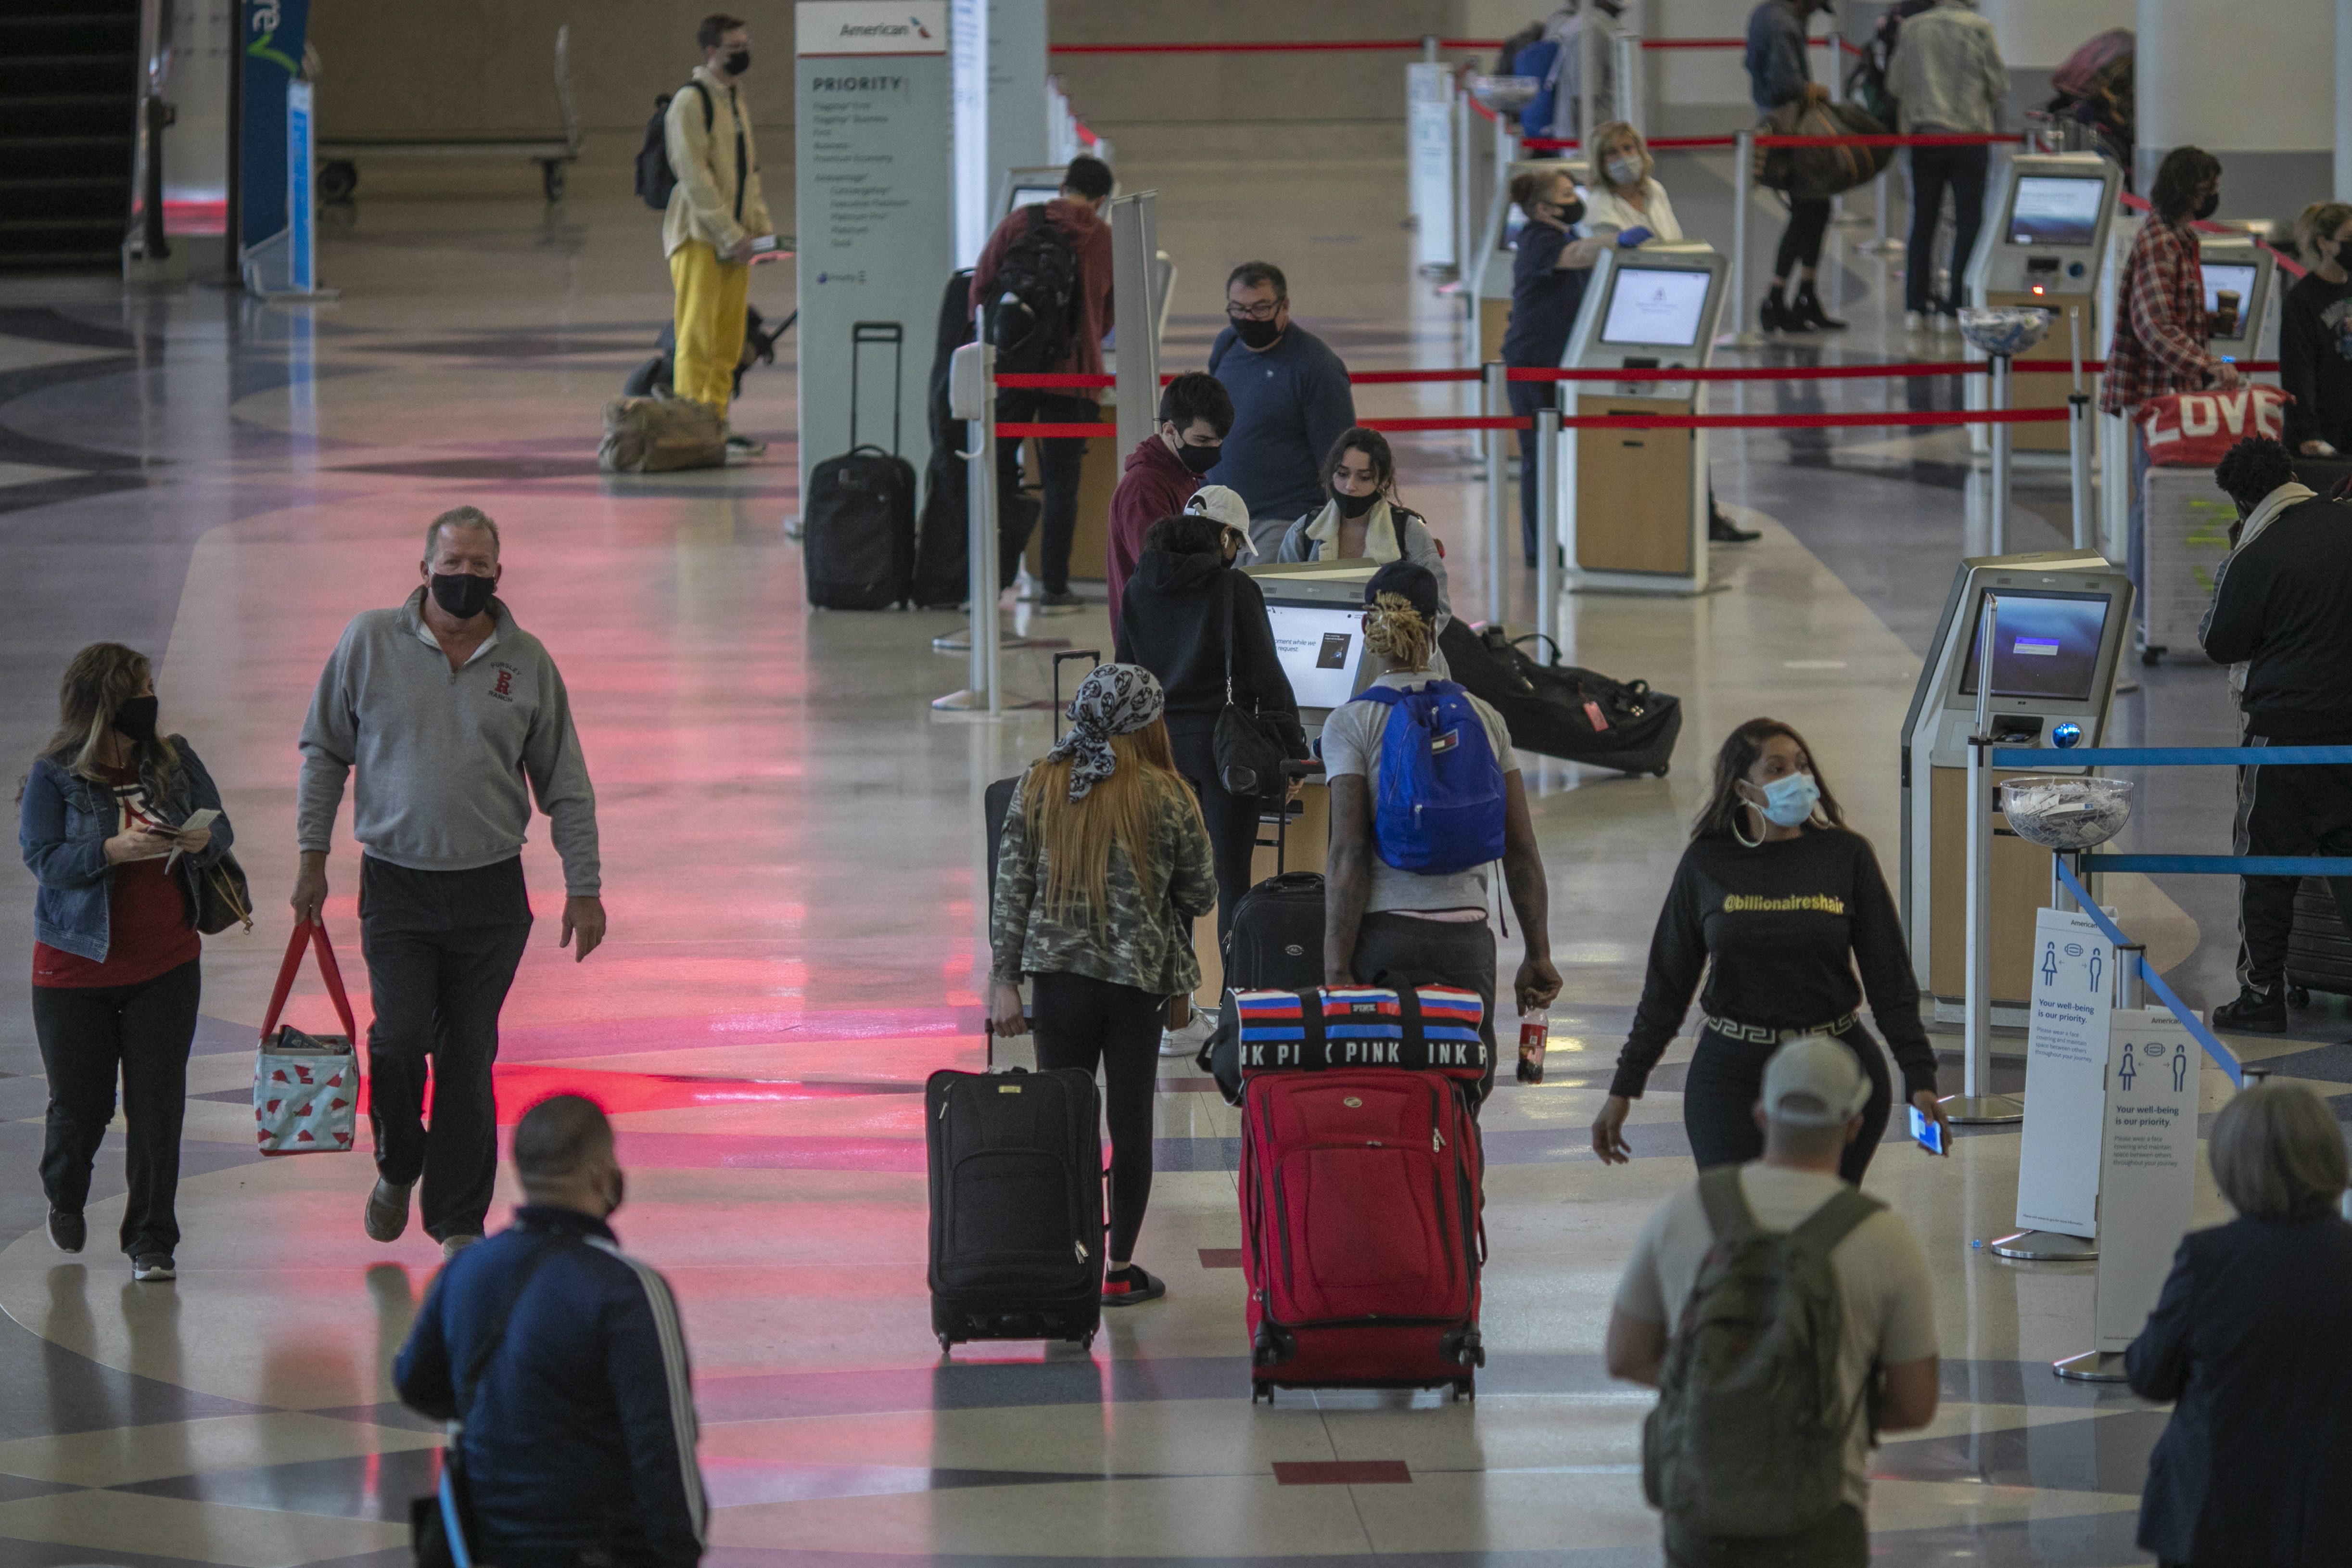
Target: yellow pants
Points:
x,y
711,296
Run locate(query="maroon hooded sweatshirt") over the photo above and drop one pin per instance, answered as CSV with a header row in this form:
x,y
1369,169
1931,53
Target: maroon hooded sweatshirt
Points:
x,y
1154,486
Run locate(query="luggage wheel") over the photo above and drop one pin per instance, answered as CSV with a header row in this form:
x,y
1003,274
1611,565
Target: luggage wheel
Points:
x,y
1663,772
1466,1388
2148,656
1262,1390
946,1345
2298,996
1087,1342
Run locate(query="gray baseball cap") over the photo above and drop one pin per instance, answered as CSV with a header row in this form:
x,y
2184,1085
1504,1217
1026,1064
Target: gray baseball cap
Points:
x,y
1824,1077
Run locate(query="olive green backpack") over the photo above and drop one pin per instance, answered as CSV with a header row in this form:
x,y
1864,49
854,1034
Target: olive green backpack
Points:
x,y
1749,1433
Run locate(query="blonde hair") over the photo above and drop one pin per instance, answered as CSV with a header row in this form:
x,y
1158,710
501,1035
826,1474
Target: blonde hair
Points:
x,y
101,678
1120,816
2320,218
2278,1152
1613,130
1395,630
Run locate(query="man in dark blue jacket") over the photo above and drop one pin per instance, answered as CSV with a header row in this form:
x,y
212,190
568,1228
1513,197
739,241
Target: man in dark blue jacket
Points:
x,y
579,1428
1290,399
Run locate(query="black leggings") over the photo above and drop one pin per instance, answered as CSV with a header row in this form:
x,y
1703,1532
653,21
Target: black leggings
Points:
x,y
1232,821
1081,1020
1726,1078
90,1036
1800,242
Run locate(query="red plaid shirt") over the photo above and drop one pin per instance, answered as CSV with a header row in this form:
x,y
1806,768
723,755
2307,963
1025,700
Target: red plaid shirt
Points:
x,y
2159,344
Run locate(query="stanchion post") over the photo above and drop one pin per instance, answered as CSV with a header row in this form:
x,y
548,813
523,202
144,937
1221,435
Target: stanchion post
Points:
x,y
1498,402
1547,456
1463,269
971,393
2078,438
1999,508
1743,154
1976,1103
2129,995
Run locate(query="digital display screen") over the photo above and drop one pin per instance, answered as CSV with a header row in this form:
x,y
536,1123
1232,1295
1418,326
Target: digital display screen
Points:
x,y
2056,209
1320,646
1661,307
2239,279
1030,196
2044,644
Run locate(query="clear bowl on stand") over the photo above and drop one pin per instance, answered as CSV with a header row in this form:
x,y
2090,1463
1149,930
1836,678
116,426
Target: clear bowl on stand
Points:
x,y
2066,813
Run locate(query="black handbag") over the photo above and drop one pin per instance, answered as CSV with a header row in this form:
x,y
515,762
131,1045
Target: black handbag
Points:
x,y
222,899
448,1512
1248,745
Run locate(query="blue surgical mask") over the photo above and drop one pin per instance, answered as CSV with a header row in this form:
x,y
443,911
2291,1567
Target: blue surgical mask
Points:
x,y
1791,800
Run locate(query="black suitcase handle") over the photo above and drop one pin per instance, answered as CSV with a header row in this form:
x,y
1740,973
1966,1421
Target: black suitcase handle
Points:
x,y
894,334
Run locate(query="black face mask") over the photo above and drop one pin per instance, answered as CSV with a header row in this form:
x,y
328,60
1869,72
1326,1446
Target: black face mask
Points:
x,y
136,718
1354,507
1257,334
462,595
1199,459
2209,206
738,62
1570,213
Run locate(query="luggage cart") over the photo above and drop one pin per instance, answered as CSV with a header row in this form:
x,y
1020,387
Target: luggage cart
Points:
x,y
338,174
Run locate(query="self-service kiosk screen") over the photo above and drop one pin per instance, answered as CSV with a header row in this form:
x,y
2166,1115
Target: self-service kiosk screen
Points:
x,y
1660,307
2044,644
2056,209
1319,646
1031,195
2239,279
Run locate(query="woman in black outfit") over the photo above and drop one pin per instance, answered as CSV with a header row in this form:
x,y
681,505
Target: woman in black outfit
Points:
x,y
1780,902
1172,623
1548,272
2316,337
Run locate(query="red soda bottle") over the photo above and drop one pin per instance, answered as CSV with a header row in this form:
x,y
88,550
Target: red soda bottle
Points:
x,y
1535,1029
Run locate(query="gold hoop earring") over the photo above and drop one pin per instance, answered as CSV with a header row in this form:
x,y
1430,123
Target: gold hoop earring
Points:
x,y
1757,843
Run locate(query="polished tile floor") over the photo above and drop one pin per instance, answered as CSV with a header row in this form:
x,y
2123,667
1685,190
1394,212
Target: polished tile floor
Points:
x,y
791,855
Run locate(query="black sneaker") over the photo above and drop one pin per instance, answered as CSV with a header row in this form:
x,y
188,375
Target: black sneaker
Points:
x,y
153,1267
1061,603
2254,1012
67,1231
1721,529
387,1211
1129,1286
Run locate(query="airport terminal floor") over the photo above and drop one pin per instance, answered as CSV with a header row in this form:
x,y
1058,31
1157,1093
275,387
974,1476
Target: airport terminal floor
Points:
x,y
791,852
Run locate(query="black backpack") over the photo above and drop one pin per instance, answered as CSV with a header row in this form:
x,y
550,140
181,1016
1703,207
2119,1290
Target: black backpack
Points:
x,y
1032,316
656,178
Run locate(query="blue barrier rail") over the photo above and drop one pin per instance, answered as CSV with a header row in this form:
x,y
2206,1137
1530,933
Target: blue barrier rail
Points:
x,y
2225,865
2223,1057
2165,756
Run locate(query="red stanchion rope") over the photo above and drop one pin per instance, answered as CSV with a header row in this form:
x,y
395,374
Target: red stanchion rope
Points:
x,y
1360,45
1637,421
1940,139
2293,268
1909,370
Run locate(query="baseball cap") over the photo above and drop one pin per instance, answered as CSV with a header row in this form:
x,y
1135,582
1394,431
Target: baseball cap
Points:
x,y
1822,1071
1416,584
1222,502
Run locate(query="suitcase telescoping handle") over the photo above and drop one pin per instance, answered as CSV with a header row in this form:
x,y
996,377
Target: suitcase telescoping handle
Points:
x,y
1093,656
895,335
314,935
1300,771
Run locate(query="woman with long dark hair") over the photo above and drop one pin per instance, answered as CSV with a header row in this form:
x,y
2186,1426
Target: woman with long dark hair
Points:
x,y
1780,902
1364,519
116,961
1102,870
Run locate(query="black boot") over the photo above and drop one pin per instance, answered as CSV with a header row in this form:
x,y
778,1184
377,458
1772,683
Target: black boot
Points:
x,y
1806,314
1774,316
2254,1012
1721,529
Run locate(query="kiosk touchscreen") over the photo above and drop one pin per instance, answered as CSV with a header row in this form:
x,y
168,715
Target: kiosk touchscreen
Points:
x,y
2060,626
1497,251
2239,279
2043,245
1027,188
1632,503
1317,611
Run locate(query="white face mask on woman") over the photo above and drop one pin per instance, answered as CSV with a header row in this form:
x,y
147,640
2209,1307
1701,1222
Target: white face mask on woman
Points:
x,y
1624,171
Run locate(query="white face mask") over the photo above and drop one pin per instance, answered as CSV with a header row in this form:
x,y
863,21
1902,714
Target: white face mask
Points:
x,y
1625,171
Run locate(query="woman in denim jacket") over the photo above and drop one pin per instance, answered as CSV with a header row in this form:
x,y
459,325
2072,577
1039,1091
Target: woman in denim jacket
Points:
x,y
117,959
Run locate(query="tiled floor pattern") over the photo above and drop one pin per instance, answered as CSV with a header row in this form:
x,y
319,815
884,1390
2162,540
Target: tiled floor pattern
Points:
x,y
792,858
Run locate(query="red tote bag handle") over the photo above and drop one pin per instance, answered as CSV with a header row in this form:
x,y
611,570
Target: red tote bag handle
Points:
x,y
313,934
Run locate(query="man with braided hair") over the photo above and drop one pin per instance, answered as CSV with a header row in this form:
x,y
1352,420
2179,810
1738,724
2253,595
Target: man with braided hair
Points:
x,y
1384,926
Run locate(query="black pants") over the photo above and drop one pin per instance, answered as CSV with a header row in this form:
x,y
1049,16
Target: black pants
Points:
x,y
1232,821
1529,397
90,1035
1726,1078
441,947
1934,170
1399,951
1081,1020
1840,1540
1800,242
1057,468
2293,810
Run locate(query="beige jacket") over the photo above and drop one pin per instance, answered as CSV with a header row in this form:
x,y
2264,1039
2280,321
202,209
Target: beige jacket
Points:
x,y
706,205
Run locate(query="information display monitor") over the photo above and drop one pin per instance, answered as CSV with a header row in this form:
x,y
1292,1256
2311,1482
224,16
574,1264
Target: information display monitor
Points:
x,y
1655,307
2056,210
1030,196
2237,277
2044,646
1322,651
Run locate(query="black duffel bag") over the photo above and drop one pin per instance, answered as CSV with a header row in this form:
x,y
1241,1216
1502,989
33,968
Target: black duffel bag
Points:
x,y
1562,711
1819,173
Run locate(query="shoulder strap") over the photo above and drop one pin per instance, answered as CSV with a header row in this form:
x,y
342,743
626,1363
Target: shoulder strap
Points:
x,y
710,113
1727,1213
1835,1220
1386,695
1228,601
481,1364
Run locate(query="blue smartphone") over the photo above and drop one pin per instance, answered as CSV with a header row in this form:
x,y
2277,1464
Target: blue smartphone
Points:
x,y
1926,1132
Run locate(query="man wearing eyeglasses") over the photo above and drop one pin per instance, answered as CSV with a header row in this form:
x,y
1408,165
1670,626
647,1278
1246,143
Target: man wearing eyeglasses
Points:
x,y
1291,403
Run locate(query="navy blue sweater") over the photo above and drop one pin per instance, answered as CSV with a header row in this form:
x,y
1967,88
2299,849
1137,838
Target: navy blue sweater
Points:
x,y
1290,403
582,1431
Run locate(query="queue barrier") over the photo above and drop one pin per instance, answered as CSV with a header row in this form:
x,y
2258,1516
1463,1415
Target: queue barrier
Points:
x,y
1633,422
1359,46
2293,268
2223,1057
1906,369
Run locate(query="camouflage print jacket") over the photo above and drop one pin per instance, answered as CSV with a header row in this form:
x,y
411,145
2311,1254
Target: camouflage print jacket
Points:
x,y
1146,943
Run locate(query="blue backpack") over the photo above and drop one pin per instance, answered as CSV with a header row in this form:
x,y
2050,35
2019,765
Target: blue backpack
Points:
x,y
1439,801
1541,60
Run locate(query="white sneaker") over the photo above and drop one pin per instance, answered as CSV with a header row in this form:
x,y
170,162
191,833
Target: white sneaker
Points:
x,y
1188,1040
1915,321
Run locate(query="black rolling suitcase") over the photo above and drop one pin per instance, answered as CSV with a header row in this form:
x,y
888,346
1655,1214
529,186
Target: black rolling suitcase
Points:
x,y
943,548
1016,1177
857,518
2318,947
1561,711
1275,944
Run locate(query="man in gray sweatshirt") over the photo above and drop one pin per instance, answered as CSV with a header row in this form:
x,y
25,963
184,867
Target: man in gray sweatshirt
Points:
x,y
455,718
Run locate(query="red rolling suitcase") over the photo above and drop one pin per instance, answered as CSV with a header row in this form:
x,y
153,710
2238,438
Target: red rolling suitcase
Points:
x,y
1361,1238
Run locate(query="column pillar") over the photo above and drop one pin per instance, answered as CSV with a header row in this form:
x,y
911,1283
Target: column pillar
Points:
x,y
2254,88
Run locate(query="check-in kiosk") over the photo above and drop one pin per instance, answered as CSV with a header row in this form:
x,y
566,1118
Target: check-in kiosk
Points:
x,y
1499,247
2239,275
1027,188
2045,238
1632,503
2062,622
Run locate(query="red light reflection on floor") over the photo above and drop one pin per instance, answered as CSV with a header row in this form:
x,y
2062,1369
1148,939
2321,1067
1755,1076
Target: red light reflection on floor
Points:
x,y
524,1084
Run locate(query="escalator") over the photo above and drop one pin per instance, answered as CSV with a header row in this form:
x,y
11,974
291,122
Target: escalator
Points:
x,y
69,106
